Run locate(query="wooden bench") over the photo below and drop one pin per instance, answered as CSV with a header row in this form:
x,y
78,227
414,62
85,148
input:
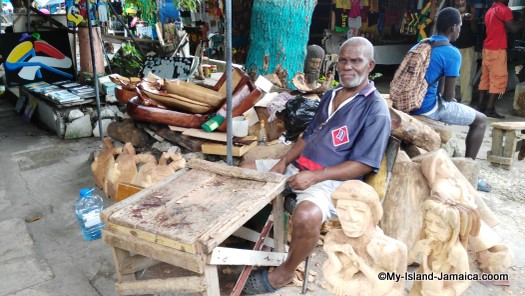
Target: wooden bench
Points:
x,y
505,136
182,220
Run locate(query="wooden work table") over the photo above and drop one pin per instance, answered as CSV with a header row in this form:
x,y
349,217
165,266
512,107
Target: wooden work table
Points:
x,y
182,220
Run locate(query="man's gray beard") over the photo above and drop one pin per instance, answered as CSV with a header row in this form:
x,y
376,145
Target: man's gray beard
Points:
x,y
354,82
461,8
312,77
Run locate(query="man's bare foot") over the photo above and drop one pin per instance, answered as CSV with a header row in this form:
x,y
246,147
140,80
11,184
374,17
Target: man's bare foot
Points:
x,y
279,278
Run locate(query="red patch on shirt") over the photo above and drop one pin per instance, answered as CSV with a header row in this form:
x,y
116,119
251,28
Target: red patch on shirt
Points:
x,y
340,136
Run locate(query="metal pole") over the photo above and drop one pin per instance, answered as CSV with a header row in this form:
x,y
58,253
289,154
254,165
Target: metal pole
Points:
x,y
228,57
28,15
306,274
94,67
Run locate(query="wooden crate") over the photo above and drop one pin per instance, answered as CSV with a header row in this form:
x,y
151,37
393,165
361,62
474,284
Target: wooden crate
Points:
x,y
181,220
505,136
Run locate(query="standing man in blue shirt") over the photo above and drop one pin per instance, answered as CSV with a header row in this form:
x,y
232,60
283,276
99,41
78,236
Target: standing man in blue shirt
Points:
x,y
346,139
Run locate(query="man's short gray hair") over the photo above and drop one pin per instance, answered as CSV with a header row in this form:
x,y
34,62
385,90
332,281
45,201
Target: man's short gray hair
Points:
x,y
367,49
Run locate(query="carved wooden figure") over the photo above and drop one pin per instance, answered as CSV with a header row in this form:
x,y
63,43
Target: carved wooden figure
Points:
x,y
102,163
125,168
446,181
441,250
151,173
359,251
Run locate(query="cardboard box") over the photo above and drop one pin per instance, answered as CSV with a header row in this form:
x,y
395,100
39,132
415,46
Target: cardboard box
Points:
x,y
221,148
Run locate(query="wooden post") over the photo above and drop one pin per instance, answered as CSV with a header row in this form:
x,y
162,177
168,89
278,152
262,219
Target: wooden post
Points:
x,y
85,53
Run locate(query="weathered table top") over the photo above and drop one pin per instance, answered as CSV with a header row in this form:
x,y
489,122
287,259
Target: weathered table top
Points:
x,y
197,208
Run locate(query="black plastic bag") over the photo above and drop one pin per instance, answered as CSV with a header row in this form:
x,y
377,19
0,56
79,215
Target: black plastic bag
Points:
x,y
298,114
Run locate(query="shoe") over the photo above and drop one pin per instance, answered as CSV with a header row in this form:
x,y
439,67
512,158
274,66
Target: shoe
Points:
x,y
493,114
482,108
258,283
483,186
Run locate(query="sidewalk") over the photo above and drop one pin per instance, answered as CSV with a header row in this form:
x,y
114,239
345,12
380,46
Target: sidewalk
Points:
x,y
42,249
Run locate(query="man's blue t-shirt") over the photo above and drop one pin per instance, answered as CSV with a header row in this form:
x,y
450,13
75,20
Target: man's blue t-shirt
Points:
x,y
444,61
358,131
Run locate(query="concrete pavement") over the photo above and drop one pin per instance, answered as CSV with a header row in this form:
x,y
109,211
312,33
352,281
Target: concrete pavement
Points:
x,y
41,248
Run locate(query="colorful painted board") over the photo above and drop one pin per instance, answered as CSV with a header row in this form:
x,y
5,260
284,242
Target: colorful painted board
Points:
x,y
30,57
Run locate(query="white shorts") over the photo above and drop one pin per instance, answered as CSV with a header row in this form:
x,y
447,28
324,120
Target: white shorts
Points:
x,y
319,194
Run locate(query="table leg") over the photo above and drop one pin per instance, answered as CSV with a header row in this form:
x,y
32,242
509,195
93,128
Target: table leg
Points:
x,y
119,257
279,233
211,277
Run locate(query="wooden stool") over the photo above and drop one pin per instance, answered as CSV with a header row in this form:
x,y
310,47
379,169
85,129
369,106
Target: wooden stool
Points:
x,y
505,136
182,220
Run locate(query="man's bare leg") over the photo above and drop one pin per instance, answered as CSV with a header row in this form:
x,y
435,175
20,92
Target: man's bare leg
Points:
x,y
306,227
475,135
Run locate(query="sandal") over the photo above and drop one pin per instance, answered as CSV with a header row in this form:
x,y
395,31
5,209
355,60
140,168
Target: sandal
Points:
x,y
258,283
483,186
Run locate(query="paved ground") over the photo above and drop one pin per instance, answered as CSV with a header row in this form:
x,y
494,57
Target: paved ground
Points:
x,y
41,248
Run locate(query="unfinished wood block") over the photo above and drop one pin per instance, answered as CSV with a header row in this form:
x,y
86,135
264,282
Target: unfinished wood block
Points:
x,y
402,207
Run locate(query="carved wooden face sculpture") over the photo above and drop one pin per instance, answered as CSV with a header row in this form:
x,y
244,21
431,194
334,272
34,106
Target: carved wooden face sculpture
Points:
x,y
355,216
436,228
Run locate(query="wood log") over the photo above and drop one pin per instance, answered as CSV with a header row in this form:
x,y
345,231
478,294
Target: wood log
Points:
x,y
409,129
190,143
127,132
445,133
85,53
235,172
402,207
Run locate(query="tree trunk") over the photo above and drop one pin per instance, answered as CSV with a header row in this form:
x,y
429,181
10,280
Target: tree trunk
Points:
x,y
85,50
279,35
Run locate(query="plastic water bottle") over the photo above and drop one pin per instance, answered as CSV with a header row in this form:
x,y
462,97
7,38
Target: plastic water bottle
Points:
x,y
261,138
87,209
